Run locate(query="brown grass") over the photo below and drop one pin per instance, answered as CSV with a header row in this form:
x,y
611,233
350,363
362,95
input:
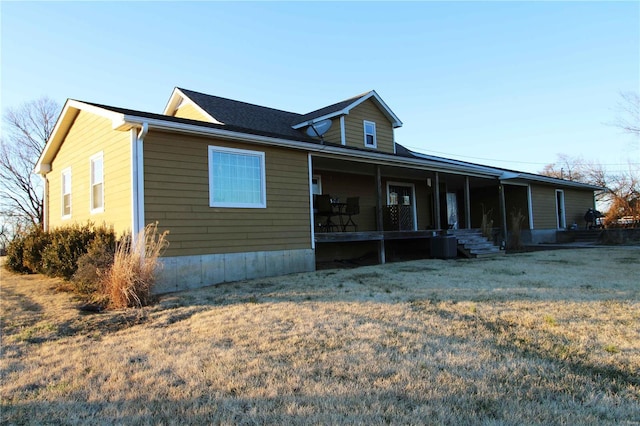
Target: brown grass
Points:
x,y
129,281
535,338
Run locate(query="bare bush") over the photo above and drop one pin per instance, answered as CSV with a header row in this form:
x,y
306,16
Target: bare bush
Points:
x,y
515,235
487,223
129,281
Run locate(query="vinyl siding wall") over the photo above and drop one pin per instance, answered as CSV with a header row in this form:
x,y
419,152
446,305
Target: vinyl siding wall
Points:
x,y
177,196
354,127
334,133
192,113
89,135
576,204
544,206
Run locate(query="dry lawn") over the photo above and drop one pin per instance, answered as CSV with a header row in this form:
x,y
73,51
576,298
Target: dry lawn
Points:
x,y
537,338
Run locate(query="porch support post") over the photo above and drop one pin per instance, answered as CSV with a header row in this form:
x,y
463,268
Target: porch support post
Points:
x,y
436,194
467,203
503,211
379,224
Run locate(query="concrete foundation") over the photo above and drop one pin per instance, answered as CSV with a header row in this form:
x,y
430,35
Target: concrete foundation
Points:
x,y
188,272
539,236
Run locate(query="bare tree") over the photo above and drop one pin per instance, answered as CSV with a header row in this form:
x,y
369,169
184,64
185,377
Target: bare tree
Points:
x,y
621,192
566,167
628,109
25,132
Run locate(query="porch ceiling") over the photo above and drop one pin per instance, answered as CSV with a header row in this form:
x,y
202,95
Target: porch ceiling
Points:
x,y
404,172
367,169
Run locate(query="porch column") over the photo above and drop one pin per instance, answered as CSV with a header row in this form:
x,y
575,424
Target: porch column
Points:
x,y
379,224
436,194
503,211
467,203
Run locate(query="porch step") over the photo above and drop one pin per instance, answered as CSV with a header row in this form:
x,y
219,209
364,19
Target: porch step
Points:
x,y
472,244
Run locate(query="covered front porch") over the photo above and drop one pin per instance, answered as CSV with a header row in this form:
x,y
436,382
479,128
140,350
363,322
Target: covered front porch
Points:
x,y
400,207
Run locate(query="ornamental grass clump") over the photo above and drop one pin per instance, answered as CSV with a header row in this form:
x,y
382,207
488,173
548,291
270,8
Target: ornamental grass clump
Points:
x,y
129,281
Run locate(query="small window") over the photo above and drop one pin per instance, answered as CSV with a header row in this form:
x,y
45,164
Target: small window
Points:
x,y
370,134
236,178
66,193
316,184
97,183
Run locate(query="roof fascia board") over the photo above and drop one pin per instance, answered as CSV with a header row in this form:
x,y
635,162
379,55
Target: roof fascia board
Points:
x,y
549,180
322,117
67,116
174,101
178,97
394,119
338,152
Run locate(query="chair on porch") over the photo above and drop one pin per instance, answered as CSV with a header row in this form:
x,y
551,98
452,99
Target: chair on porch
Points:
x,y
352,209
325,209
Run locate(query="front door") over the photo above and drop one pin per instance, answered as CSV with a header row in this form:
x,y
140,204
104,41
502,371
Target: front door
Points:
x,y
402,196
452,210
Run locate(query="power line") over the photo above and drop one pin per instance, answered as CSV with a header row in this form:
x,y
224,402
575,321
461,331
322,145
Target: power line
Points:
x,y
504,161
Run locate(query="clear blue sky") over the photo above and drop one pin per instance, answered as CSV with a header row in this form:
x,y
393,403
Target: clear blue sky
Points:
x,y
517,82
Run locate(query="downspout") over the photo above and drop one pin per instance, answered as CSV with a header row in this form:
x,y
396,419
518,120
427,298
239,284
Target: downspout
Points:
x,y
379,219
137,179
45,203
311,206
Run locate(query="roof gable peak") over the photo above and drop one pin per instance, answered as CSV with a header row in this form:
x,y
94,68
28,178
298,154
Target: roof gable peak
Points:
x,y
344,107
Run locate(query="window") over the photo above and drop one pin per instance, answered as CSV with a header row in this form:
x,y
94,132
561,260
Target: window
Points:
x,y
66,193
97,183
370,134
316,184
236,178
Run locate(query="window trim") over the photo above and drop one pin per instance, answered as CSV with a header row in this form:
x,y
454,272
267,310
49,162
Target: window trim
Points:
x,y
92,159
263,178
63,173
375,139
318,178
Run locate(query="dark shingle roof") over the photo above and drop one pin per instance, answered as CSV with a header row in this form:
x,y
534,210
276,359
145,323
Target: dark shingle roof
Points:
x,y
329,109
296,136
245,115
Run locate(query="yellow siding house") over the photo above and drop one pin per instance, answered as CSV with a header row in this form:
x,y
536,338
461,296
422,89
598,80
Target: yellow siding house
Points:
x,y
237,185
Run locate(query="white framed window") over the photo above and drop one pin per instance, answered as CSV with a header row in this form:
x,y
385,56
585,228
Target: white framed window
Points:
x,y
316,184
65,178
97,183
370,134
236,178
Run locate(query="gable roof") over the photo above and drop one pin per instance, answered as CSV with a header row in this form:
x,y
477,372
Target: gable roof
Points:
x,y
250,116
124,119
344,107
236,113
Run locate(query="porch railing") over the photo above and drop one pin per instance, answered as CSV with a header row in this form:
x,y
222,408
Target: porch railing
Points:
x,y
398,217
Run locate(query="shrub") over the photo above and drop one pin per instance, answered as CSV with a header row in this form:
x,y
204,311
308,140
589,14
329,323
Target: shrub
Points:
x,y
487,223
129,281
34,243
515,235
15,255
24,251
92,265
60,257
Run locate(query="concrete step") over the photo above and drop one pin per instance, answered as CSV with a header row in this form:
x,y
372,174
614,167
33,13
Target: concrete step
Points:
x,y
473,244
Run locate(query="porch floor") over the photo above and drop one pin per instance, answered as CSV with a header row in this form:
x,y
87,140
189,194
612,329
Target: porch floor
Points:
x,y
333,237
